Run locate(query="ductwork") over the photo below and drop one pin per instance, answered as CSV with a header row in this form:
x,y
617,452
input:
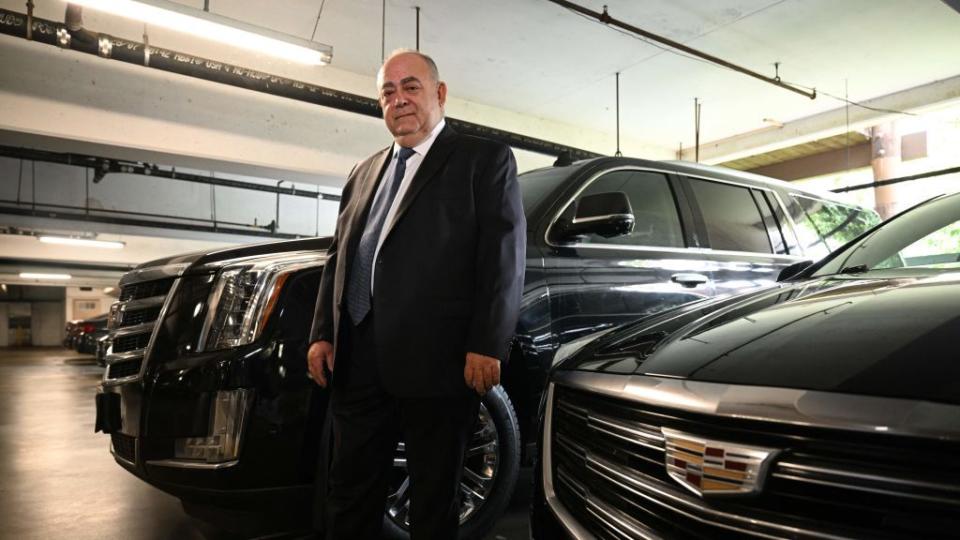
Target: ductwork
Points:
x,y
72,35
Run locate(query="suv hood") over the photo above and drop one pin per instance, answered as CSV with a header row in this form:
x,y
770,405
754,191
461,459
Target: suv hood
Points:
x,y
883,337
197,258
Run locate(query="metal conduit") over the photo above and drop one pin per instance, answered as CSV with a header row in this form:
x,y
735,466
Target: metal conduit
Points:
x,y
106,46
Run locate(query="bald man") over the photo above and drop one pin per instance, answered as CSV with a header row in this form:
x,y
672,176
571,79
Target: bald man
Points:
x,y
417,305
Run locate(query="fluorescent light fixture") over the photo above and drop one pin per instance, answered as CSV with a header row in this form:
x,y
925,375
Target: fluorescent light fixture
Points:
x,y
216,28
35,275
83,242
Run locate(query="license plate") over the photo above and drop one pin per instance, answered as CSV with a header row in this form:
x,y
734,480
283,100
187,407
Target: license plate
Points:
x,y
108,413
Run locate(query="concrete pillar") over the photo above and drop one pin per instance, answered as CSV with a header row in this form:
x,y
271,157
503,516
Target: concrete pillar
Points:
x,y
885,161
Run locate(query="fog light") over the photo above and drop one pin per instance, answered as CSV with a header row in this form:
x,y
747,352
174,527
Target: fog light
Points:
x,y
228,413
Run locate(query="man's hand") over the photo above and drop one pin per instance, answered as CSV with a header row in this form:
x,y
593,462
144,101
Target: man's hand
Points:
x,y
320,357
481,372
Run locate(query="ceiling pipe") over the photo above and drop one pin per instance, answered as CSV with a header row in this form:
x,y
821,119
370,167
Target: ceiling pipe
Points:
x,y
605,18
102,166
132,52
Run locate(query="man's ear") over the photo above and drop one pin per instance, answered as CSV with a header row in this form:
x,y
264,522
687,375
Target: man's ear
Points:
x,y
442,92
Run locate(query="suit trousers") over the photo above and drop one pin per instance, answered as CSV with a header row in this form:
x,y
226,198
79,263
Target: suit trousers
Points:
x,y
367,425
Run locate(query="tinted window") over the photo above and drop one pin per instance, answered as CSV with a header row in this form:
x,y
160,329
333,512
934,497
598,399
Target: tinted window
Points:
x,y
770,222
731,216
657,222
825,225
924,241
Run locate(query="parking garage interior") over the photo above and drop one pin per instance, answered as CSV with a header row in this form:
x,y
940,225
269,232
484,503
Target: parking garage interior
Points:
x,y
127,141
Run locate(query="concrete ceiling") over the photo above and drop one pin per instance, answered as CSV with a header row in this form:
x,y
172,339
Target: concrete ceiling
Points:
x,y
537,58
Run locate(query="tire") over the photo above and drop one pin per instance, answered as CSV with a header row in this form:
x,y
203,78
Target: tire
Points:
x,y
491,466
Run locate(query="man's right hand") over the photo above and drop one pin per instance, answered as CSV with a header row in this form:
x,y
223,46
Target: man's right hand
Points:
x,y
320,361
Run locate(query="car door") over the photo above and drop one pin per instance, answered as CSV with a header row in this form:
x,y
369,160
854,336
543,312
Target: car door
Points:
x,y
744,236
596,282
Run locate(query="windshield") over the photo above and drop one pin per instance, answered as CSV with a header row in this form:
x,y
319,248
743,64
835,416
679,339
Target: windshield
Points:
x,y
925,240
537,185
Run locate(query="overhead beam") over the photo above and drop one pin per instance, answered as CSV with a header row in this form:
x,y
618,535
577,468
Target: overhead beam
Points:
x,y
828,123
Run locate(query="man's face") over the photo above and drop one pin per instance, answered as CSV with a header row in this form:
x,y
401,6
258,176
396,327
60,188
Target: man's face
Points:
x,y
412,101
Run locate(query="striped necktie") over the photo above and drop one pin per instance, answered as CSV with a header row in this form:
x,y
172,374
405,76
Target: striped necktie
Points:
x,y
358,286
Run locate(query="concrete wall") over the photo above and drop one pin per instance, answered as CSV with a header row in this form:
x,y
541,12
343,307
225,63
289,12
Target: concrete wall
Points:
x,y
74,293
46,323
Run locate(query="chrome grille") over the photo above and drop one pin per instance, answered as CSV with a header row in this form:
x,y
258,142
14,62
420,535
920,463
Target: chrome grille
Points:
x,y
130,343
608,468
133,320
146,289
139,316
127,368
124,446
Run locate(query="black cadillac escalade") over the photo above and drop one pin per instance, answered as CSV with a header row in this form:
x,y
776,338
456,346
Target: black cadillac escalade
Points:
x,y
206,394
826,406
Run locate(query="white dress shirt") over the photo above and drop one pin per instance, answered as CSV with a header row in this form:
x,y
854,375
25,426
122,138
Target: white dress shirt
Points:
x,y
413,164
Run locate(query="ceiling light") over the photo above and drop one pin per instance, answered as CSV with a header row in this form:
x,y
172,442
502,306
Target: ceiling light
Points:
x,y
216,28
85,242
35,275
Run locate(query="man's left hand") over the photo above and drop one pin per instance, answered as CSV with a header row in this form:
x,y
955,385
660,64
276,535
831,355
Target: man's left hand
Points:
x,y
481,372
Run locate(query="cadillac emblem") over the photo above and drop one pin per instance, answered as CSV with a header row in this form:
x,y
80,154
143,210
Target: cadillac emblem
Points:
x,y
708,467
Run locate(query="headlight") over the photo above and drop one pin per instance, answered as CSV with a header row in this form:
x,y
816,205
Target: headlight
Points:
x,y
228,413
244,296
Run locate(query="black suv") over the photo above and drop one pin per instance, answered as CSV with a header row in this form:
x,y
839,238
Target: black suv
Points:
x,y
826,406
206,394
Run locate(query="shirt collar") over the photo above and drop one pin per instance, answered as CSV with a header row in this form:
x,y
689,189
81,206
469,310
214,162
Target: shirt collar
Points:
x,y
424,147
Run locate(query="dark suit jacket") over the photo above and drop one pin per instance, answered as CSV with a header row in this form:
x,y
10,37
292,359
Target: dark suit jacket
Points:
x,y
449,274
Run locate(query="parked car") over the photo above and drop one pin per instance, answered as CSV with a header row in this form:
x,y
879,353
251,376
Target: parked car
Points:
x,y
89,331
826,406
69,333
207,362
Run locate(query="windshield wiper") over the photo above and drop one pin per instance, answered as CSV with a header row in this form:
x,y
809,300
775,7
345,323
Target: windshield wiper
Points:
x,y
856,269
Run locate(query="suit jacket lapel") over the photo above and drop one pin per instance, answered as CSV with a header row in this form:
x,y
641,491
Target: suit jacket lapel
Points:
x,y
435,158
365,194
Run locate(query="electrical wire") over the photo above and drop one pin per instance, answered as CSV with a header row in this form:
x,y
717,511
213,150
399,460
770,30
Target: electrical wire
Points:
x,y
316,24
673,51
855,103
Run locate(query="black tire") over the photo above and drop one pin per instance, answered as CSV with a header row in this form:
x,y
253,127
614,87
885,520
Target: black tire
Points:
x,y
477,519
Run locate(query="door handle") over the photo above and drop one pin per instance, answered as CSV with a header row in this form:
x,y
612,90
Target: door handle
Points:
x,y
689,280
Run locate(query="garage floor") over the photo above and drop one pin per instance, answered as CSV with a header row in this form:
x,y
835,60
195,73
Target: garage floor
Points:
x,y
58,480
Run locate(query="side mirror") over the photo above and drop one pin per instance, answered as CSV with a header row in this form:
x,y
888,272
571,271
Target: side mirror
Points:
x,y
603,214
794,269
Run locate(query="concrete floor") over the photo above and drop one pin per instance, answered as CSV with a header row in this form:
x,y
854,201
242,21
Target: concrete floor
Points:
x,y
58,480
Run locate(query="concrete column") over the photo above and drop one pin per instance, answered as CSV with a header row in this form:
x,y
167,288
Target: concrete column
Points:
x,y
885,160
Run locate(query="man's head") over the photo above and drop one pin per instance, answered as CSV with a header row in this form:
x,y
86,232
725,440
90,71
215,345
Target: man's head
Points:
x,y
411,96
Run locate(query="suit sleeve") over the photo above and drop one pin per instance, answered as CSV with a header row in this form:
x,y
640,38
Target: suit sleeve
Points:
x,y
500,256
322,327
